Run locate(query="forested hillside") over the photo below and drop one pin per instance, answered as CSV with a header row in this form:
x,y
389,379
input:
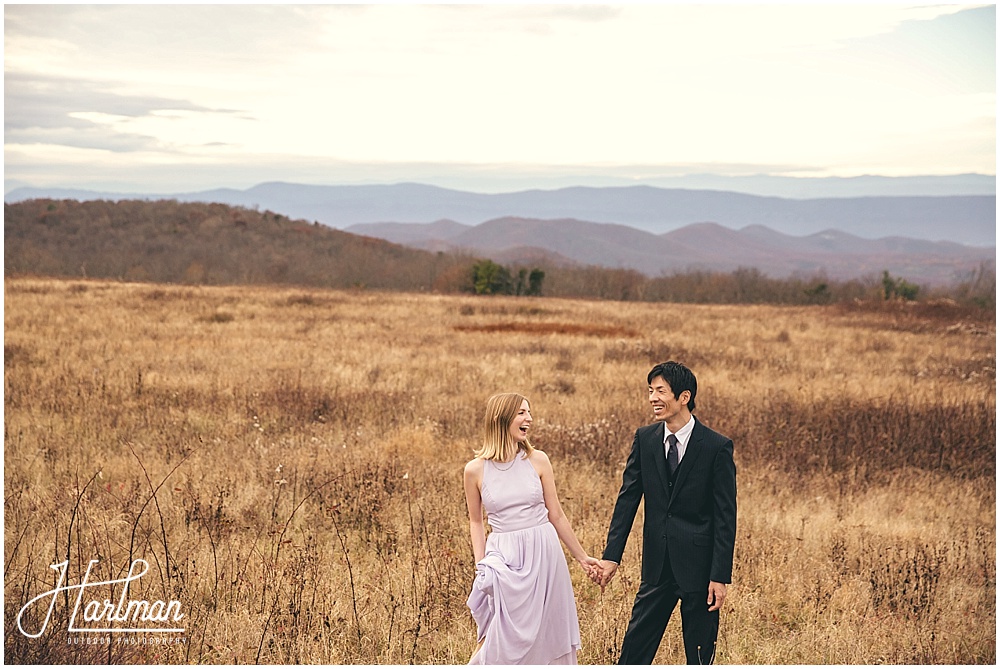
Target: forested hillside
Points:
x,y
214,244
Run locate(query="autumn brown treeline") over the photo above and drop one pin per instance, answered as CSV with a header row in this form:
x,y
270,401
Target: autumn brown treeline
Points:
x,y
167,241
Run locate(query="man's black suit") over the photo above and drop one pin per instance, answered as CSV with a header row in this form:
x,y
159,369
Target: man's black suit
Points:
x,y
688,537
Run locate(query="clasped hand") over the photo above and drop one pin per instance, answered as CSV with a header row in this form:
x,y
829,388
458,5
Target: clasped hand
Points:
x,y
600,571
591,566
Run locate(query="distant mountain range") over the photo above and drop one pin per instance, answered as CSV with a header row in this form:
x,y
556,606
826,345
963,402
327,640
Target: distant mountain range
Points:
x,y
497,179
931,239
704,246
962,219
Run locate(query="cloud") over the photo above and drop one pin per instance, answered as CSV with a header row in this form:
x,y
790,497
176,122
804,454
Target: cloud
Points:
x,y
955,52
79,113
587,12
783,87
154,38
91,137
46,101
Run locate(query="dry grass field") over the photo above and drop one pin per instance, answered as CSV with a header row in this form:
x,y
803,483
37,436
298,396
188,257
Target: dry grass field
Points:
x,y
288,461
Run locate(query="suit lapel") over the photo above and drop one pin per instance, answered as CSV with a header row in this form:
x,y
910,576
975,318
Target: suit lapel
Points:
x,y
660,456
690,456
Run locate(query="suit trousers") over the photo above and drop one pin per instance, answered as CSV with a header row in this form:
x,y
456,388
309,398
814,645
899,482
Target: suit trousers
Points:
x,y
651,612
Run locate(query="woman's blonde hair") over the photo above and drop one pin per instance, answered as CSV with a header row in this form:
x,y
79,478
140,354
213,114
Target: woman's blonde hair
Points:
x,y
497,442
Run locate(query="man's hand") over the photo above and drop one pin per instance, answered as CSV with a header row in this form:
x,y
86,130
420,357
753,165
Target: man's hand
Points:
x,y
716,595
605,572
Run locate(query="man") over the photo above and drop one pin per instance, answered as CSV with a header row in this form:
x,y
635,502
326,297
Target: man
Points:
x,y
686,474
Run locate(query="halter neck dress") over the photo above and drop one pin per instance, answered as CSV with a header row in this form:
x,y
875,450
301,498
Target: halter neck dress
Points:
x,y
522,598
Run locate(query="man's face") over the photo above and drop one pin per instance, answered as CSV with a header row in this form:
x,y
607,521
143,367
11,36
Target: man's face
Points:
x,y
661,398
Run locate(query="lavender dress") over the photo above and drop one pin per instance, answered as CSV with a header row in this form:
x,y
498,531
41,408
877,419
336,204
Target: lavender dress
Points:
x,y
522,598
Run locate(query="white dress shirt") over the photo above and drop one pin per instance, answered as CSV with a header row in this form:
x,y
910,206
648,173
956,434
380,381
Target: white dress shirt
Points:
x,y
683,437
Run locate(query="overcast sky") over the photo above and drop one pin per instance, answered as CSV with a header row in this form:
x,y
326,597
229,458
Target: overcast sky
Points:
x,y
188,97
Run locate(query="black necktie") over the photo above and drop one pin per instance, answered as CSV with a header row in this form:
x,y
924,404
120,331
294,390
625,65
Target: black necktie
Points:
x,y
672,454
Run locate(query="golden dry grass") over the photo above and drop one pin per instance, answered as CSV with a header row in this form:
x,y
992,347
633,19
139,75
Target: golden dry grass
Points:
x,y
308,447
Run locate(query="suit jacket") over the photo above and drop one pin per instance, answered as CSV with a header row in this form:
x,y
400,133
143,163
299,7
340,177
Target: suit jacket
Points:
x,y
690,521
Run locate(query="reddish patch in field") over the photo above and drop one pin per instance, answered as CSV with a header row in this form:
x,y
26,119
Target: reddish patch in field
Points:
x,y
552,328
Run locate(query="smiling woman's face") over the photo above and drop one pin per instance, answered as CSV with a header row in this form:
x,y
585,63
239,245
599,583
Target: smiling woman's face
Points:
x,y
522,421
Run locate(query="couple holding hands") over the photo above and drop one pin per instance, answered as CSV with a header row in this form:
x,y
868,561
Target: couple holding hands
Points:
x,y
522,598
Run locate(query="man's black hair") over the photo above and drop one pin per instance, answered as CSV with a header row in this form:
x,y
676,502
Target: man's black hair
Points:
x,y
678,377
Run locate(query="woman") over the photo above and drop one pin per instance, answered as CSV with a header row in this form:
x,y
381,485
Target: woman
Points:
x,y
522,598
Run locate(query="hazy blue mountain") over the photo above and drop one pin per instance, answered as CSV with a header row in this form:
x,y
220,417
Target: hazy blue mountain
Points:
x,y
410,234
823,187
498,179
707,246
964,219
